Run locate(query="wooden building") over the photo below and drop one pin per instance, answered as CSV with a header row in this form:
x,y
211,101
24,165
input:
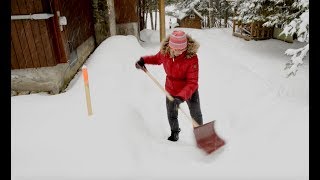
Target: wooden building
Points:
x,y
253,30
191,19
51,39
127,17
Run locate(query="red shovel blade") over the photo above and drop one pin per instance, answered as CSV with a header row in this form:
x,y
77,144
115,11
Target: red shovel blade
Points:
x,y
206,137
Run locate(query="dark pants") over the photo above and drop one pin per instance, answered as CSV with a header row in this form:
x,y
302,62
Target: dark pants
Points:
x,y
194,107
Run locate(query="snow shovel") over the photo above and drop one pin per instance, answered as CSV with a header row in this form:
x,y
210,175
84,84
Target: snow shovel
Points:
x,y
206,137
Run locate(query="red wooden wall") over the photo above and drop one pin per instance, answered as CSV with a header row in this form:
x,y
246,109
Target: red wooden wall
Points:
x,y
41,43
31,40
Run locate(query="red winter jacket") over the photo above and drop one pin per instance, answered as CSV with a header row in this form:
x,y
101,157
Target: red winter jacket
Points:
x,y
182,71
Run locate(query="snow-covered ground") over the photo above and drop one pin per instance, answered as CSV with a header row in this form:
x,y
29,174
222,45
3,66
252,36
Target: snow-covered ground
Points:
x,y
262,115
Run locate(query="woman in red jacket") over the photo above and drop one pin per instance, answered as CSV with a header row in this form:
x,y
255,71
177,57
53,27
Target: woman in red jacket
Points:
x,y
180,62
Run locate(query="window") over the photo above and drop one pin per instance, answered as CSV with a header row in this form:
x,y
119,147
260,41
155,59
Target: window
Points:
x,y
192,16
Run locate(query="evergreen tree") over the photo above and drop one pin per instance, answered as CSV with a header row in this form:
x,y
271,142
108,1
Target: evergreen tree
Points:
x,y
293,15
215,10
298,24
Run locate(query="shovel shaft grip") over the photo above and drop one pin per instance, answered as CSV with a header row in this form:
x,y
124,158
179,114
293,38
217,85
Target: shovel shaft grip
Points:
x,y
194,123
159,85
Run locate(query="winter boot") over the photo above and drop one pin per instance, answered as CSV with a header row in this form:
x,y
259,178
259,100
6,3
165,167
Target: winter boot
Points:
x,y
174,135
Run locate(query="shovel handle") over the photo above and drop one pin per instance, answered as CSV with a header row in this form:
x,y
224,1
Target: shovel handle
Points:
x,y
194,123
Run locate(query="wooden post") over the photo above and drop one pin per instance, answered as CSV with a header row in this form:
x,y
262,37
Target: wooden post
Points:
x,y
112,18
234,24
251,30
162,20
86,86
260,30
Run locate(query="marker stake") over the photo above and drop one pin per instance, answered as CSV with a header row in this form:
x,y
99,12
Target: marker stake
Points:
x,y
86,86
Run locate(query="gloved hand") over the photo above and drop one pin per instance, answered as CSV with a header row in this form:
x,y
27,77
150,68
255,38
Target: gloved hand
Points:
x,y
140,64
177,101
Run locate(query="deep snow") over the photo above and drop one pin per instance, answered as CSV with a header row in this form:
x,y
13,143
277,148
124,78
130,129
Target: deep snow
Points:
x,y
262,115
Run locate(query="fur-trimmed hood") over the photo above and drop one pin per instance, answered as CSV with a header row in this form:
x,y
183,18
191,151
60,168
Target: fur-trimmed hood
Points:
x,y
192,47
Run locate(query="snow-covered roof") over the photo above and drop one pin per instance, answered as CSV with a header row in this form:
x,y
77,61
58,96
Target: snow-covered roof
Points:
x,y
184,13
197,12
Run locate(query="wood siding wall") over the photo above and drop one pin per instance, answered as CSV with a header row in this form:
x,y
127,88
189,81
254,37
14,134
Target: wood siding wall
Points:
x,y
31,40
40,43
187,22
79,14
126,11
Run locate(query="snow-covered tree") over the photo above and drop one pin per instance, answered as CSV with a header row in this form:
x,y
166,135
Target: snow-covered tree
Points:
x,y
215,10
293,15
256,10
183,7
299,24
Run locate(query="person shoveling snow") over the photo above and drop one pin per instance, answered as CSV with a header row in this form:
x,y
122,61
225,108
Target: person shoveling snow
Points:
x,y
178,54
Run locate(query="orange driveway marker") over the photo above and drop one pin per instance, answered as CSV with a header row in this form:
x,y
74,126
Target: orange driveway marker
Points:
x,y
86,86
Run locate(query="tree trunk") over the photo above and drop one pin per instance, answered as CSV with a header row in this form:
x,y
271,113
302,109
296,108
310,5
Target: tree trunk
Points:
x,y
146,21
210,14
218,18
220,15
112,18
156,19
146,14
151,18
141,14
226,16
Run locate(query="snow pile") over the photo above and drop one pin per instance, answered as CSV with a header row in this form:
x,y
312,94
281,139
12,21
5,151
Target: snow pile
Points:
x,y
262,115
